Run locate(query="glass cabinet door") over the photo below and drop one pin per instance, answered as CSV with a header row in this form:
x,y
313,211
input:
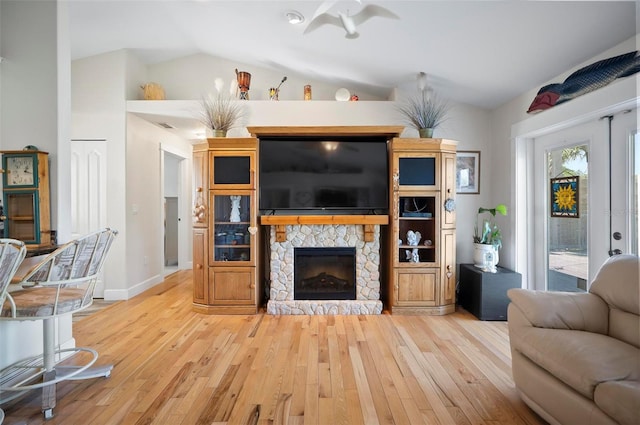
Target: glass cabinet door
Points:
x,y
232,239
21,209
232,170
416,171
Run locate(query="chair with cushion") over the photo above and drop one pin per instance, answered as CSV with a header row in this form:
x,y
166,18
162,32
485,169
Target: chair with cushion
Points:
x,y
12,252
61,283
576,356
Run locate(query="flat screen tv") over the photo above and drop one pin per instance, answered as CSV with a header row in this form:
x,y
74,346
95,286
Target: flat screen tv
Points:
x,y
349,174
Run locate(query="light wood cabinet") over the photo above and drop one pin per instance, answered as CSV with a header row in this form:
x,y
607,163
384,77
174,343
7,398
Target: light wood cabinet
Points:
x,y
200,267
232,286
422,238
416,287
225,240
25,187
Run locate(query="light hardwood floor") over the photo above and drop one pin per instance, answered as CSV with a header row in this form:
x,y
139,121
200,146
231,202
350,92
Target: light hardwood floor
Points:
x,y
175,366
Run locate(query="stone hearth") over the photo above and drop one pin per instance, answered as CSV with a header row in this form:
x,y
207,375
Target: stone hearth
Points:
x,y
281,300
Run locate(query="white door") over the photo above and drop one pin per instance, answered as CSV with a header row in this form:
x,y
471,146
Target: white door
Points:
x,y
581,210
625,167
89,190
171,231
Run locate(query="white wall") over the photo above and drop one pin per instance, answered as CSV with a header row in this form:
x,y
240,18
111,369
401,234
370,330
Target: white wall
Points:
x,y
98,112
34,106
100,85
192,76
60,177
33,72
171,175
145,236
511,125
29,75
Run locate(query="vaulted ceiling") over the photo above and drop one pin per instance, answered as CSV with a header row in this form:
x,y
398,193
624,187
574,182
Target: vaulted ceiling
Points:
x,y
483,53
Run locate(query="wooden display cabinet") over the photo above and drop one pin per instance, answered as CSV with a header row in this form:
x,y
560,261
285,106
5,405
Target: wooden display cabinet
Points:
x,y
423,204
225,236
25,187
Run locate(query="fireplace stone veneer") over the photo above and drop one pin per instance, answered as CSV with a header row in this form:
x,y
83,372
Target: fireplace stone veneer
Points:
x,y
281,293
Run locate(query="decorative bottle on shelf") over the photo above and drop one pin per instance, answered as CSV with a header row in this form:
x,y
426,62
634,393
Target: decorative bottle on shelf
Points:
x,y
307,92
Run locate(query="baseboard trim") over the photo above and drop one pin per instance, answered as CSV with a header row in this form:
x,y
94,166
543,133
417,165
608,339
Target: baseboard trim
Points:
x,y
125,294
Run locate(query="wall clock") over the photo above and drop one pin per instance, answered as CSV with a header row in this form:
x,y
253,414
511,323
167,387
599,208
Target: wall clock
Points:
x,y
20,170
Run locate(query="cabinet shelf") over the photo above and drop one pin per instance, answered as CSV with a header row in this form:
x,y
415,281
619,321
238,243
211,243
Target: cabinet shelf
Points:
x,y
229,223
22,218
233,246
416,219
416,247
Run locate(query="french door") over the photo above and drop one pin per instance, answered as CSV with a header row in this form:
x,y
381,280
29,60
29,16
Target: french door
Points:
x,y
585,200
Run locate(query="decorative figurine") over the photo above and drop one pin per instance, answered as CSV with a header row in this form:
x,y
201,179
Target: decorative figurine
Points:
x,y
413,239
235,208
585,80
412,255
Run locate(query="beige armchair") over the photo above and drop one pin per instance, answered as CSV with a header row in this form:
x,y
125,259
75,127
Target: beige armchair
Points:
x,y
62,283
576,356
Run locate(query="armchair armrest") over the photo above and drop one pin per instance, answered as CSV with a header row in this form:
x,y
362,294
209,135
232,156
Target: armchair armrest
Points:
x,y
561,310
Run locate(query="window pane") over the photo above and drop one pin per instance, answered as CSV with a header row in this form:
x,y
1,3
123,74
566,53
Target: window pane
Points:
x,y
567,234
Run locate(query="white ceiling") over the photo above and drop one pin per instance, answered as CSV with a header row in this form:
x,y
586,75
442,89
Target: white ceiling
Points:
x,y
483,53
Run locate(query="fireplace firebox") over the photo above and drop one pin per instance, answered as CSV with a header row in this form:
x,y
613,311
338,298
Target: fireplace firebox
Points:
x,y
324,273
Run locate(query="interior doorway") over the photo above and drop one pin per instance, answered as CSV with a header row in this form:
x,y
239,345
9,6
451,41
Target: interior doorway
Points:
x,y
172,199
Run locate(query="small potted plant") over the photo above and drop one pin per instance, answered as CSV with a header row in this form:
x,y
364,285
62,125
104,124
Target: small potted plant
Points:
x,y
424,111
220,113
487,238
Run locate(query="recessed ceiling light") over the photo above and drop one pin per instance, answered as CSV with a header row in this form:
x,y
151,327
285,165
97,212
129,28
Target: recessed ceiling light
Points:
x,y
294,17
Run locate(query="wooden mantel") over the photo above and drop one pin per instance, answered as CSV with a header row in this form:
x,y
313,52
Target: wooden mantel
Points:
x,y
280,221
353,130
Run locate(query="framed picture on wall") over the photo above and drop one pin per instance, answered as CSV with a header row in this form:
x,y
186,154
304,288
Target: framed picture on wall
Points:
x,y
468,172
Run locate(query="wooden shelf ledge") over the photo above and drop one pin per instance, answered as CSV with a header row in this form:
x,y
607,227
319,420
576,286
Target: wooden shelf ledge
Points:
x,y
389,131
281,221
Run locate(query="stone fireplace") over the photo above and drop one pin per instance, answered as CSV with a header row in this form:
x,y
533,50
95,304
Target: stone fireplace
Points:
x,y
324,273
330,257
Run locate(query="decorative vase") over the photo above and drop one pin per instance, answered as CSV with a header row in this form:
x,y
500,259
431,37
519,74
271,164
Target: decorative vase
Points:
x,y
485,256
425,133
244,82
219,133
